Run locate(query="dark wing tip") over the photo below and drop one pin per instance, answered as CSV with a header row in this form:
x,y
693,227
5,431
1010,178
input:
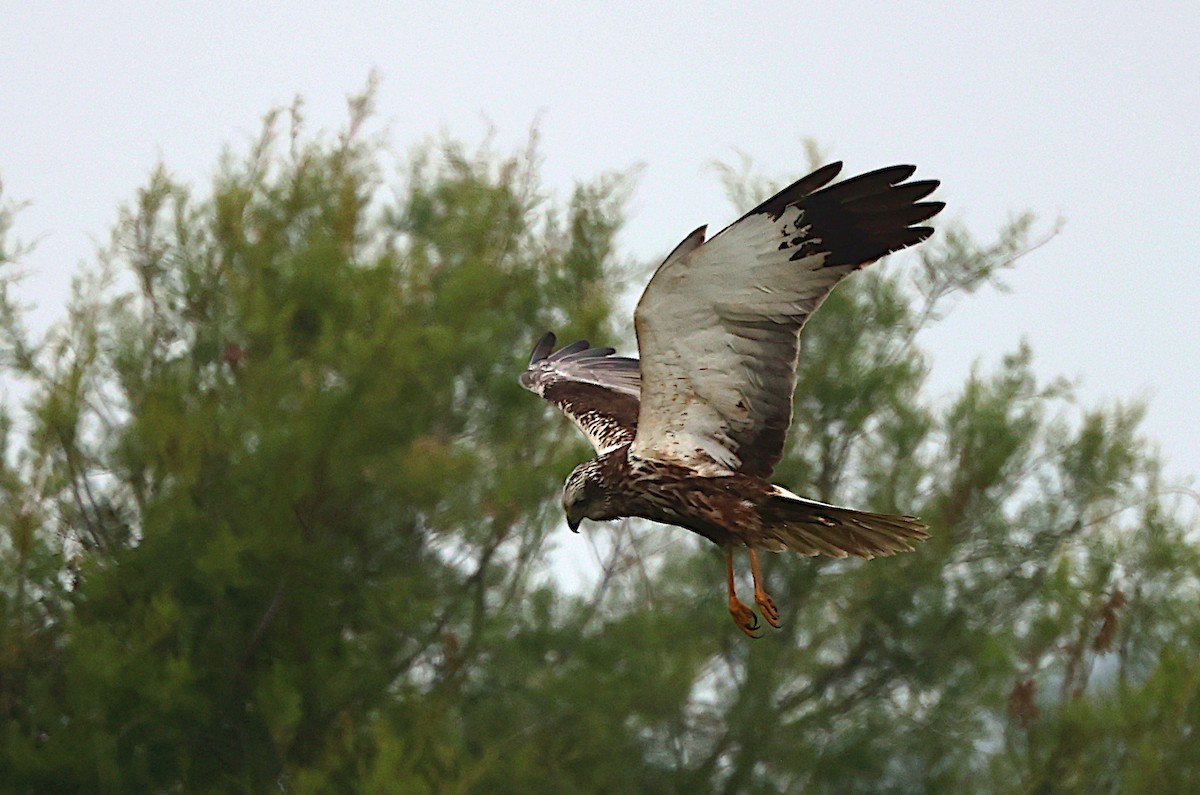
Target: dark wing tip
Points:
x,y
580,349
922,188
543,347
892,175
889,219
569,350
793,193
587,353
923,211
871,184
908,237
870,215
819,178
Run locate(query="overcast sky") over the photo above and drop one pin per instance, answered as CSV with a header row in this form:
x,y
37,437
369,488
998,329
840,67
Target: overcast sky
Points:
x,y
1089,110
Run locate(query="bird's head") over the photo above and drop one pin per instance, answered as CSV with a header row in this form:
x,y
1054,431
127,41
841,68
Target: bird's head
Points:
x,y
584,495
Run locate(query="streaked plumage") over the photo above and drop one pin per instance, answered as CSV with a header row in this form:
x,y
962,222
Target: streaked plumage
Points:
x,y
688,435
597,390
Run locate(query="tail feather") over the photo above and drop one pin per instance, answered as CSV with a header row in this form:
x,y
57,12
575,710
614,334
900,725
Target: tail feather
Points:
x,y
814,528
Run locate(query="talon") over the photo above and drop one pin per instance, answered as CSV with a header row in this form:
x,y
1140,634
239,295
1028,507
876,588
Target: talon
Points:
x,y
767,606
744,617
761,598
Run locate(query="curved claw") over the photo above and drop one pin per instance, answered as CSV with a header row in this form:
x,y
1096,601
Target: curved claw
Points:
x,y
766,606
761,598
744,617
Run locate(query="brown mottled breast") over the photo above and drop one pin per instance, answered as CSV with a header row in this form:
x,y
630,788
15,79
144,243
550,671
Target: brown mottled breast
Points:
x,y
723,509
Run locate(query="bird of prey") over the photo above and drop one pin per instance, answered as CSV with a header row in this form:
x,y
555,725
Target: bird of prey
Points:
x,y
689,435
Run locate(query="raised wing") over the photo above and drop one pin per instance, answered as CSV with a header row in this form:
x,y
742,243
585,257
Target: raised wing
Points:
x,y
718,326
596,390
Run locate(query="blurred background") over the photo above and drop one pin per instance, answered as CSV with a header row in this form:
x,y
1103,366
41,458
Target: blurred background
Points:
x,y
276,514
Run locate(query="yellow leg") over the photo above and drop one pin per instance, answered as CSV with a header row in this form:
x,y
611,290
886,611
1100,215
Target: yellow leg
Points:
x,y
766,605
743,616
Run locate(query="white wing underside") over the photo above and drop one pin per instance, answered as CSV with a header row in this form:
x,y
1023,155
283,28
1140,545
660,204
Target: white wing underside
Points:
x,y
718,334
718,325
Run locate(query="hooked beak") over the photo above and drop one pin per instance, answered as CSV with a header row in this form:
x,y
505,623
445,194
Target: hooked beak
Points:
x,y
573,522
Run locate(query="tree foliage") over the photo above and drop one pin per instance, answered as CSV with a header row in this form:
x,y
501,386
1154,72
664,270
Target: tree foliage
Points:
x,y
276,515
